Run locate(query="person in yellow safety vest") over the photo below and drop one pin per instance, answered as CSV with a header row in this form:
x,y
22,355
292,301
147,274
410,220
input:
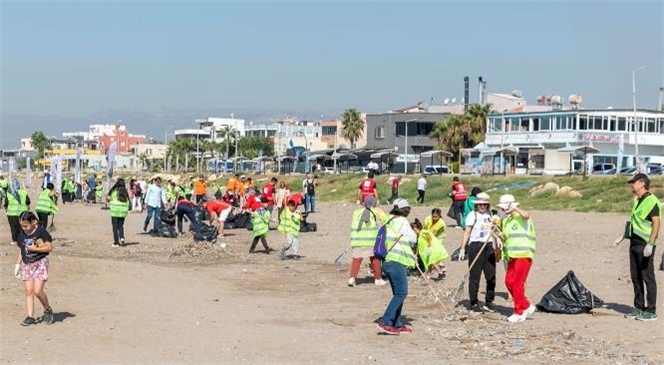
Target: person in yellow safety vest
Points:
x,y
46,204
363,232
260,224
430,250
99,192
399,241
643,229
4,187
16,202
69,191
518,248
119,208
436,225
289,225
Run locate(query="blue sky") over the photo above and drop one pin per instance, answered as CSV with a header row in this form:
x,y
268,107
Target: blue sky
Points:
x,y
74,59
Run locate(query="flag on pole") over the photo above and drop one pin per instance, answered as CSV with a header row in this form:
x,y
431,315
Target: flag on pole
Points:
x,y
260,161
58,173
28,172
110,161
52,171
307,164
77,167
621,151
10,170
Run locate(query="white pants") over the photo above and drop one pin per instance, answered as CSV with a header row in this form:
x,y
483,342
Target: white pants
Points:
x,y
291,242
224,214
136,204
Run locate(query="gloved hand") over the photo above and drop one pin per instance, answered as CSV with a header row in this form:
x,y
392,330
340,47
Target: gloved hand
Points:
x,y
462,255
17,270
617,241
428,251
357,202
647,252
510,208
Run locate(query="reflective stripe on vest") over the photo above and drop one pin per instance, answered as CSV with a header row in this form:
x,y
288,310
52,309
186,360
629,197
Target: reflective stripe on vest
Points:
x,y
15,207
640,225
401,251
260,223
118,209
45,203
519,243
366,237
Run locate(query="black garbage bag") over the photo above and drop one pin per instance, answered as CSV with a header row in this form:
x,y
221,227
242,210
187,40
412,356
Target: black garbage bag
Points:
x,y
167,216
569,296
201,214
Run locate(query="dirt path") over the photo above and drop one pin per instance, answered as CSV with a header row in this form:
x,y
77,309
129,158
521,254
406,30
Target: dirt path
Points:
x,y
171,301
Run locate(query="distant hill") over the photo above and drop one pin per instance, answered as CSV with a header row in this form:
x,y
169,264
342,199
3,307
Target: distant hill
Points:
x,y
13,127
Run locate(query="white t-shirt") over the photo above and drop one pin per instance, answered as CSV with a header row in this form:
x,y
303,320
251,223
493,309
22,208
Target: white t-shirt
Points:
x,y
422,183
480,230
408,235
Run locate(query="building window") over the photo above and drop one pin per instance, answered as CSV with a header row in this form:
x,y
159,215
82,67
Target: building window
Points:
x,y
583,123
622,124
329,131
545,123
650,125
380,132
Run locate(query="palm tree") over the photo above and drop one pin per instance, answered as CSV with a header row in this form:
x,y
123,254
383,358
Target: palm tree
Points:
x,y
227,133
477,114
352,126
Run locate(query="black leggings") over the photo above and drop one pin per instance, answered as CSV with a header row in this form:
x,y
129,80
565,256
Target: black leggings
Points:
x,y
118,229
255,242
14,226
485,263
43,219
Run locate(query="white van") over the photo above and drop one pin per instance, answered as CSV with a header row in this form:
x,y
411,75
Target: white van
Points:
x,y
435,169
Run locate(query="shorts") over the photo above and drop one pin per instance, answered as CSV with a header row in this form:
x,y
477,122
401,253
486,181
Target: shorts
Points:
x,y
35,271
224,214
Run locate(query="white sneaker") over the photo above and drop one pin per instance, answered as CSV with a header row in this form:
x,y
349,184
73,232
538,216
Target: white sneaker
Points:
x,y
530,310
13,243
351,282
122,241
380,282
515,318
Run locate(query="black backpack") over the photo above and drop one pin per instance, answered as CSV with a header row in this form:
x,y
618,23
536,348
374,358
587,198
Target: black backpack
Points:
x,y
311,187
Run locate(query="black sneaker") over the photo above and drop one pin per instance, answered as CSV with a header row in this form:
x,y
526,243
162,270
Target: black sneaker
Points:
x,y
489,307
145,227
48,316
28,321
268,250
475,308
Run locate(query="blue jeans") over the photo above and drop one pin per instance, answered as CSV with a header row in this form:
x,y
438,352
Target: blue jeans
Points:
x,y
309,202
183,210
397,275
153,211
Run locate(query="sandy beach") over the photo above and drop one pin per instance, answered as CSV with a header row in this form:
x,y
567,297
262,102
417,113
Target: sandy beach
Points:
x,y
161,300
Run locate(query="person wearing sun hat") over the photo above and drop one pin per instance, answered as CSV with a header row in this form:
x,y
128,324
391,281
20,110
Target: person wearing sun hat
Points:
x,y
642,231
518,233
478,243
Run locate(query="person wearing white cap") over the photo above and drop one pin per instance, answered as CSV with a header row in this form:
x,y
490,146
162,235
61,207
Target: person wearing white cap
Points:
x,y
519,249
399,242
477,241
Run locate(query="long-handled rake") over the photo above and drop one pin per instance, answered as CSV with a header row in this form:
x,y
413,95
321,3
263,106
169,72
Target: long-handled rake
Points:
x,y
340,258
465,276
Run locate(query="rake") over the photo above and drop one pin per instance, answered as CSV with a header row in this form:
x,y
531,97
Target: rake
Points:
x,y
340,258
465,276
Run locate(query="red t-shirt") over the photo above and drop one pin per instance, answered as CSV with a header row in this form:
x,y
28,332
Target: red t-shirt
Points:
x,y
253,203
216,206
267,191
367,187
395,183
297,198
185,202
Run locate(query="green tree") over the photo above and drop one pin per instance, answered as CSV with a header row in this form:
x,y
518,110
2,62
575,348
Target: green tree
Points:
x,y
40,143
352,126
228,135
250,146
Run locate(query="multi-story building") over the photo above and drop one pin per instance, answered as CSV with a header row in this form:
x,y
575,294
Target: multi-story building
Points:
x,y
125,140
542,142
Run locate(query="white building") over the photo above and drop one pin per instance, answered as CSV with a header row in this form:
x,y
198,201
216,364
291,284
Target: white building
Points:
x,y
540,142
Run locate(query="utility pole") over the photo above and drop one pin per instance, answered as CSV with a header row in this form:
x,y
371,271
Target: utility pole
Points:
x,y
635,124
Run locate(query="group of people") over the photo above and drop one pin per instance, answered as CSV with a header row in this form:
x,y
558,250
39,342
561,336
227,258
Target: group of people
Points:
x,y
508,235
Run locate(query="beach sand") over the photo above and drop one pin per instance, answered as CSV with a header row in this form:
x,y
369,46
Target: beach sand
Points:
x,y
161,300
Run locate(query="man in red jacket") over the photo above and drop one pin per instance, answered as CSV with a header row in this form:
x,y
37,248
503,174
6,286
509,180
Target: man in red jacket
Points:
x,y
459,195
367,188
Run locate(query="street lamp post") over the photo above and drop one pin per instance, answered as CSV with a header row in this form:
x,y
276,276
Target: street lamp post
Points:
x,y
405,170
635,124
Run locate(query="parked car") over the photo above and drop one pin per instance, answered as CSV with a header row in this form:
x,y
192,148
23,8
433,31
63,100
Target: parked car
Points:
x,y
653,170
630,170
604,169
435,169
328,170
